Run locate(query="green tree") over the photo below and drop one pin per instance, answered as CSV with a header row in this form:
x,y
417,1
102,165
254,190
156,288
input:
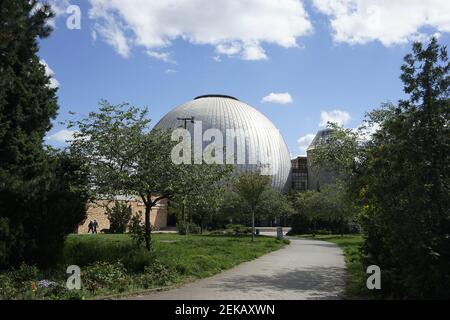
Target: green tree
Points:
x,y
29,173
331,204
308,207
126,158
402,182
338,151
247,192
200,191
119,216
275,205
59,212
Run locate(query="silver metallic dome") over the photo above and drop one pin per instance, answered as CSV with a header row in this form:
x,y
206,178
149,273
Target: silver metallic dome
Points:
x,y
264,148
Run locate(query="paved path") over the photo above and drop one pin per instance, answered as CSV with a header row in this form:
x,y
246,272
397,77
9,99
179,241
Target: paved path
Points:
x,y
305,269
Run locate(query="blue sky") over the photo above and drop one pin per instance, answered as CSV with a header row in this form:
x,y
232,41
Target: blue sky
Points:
x,y
321,59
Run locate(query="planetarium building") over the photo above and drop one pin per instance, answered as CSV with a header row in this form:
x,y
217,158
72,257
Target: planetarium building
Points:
x,y
250,140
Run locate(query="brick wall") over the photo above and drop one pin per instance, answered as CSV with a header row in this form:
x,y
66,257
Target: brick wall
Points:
x,y
158,216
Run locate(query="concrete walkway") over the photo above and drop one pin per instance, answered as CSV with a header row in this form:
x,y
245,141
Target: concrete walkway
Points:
x,y
305,269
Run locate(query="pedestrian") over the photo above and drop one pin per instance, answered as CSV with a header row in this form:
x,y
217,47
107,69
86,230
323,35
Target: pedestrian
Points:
x,y
91,227
95,225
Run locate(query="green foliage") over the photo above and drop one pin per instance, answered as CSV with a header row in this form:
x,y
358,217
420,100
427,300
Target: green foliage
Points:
x,y
25,273
8,289
249,195
200,192
42,194
121,267
119,217
337,152
103,274
250,188
158,275
59,213
27,106
329,205
137,230
18,282
403,181
188,228
126,158
399,179
137,259
27,282
237,229
275,204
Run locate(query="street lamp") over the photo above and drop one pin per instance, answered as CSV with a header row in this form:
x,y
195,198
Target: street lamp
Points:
x,y
185,121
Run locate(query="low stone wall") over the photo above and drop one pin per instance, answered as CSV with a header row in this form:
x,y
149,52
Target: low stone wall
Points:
x,y
158,216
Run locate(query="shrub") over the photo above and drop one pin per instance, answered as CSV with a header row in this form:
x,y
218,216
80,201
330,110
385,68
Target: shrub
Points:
x,y
403,182
8,290
157,274
24,283
138,259
104,274
25,273
119,216
137,230
191,228
34,232
217,232
237,229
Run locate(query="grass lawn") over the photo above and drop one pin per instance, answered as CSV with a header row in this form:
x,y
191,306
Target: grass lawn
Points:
x,y
356,276
194,255
111,264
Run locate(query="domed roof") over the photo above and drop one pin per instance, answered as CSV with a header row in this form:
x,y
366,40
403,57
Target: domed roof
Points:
x,y
263,140
321,137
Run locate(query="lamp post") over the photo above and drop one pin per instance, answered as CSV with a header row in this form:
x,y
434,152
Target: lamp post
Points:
x,y
185,121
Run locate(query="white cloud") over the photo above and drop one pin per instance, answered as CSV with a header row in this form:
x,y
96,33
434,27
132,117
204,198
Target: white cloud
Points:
x,y
335,116
281,98
49,73
94,35
367,130
233,27
304,142
112,32
61,136
254,52
170,71
387,21
163,56
229,49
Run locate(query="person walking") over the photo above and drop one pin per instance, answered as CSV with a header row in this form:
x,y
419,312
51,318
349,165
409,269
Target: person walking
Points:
x,y
95,225
91,227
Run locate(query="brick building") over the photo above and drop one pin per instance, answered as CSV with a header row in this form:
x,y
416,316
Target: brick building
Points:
x,y
97,211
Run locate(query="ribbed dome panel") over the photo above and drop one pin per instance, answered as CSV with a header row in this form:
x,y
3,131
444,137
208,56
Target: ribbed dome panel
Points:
x,y
264,142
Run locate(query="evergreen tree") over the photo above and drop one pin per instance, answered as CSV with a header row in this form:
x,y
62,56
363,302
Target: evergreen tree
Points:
x,y
33,182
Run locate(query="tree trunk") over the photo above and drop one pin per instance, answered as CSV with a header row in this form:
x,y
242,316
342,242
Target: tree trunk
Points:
x,y
314,229
148,229
253,225
184,217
